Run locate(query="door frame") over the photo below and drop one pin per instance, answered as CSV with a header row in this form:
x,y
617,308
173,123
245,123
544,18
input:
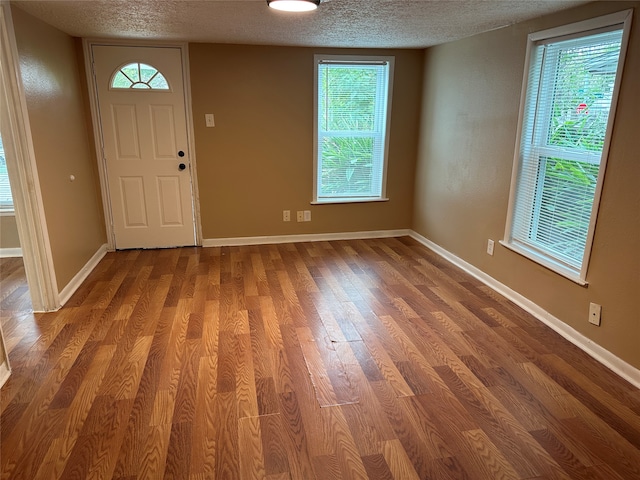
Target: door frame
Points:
x,y
23,172
87,44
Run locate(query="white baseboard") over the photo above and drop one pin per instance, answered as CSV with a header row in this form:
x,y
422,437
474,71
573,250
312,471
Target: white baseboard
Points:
x,y
81,276
5,372
608,359
315,237
10,252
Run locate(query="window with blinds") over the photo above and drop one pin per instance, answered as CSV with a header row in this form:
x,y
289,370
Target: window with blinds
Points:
x,y
6,200
571,85
351,127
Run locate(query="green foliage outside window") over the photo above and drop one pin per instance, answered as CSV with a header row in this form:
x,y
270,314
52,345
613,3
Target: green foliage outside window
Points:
x,y
582,97
348,116
580,112
139,76
565,207
347,164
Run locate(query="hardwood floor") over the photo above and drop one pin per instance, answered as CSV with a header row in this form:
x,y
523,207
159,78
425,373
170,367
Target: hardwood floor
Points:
x,y
331,360
14,292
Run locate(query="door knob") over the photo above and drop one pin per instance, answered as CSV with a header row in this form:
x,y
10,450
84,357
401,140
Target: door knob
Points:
x,y
182,166
181,153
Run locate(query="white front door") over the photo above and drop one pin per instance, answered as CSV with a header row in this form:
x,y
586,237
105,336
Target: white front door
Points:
x,y
142,114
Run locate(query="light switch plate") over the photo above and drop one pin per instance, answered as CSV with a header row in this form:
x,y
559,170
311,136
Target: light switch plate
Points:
x,y
209,120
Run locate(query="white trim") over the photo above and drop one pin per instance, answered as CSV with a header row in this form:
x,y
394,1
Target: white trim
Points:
x,y
191,138
23,171
81,276
5,366
10,252
87,45
319,59
584,28
313,237
605,357
331,201
546,261
5,372
99,144
623,17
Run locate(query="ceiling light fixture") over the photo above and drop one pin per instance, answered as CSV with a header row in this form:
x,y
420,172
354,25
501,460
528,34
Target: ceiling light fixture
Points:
x,y
294,5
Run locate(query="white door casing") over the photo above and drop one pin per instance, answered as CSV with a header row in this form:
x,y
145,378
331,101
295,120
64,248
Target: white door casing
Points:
x,y
144,132
25,183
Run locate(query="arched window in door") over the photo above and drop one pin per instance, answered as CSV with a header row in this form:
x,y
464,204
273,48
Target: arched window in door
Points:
x,y
140,76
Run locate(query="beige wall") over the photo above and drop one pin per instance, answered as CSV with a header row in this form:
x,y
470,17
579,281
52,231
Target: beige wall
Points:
x,y
52,76
9,232
470,103
258,159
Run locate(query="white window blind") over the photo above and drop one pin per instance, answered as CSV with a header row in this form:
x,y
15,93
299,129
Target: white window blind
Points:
x,y
6,200
351,128
564,131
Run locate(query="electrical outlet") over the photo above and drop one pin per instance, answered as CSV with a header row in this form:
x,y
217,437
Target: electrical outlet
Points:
x,y
595,313
286,215
307,215
490,245
300,216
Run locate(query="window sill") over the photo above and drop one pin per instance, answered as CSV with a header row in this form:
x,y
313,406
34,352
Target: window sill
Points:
x,y
349,200
546,262
5,212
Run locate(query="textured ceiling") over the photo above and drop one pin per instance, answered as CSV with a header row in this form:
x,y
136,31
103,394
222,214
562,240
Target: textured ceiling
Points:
x,y
336,23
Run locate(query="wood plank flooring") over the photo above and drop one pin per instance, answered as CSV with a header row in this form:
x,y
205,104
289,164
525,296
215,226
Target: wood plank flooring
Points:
x,y
331,360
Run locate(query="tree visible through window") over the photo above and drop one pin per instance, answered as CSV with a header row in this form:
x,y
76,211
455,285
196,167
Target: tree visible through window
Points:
x,y
352,105
570,90
139,75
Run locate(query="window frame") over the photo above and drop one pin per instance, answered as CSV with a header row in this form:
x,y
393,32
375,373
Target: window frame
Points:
x,y
578,29
355,60
121,68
